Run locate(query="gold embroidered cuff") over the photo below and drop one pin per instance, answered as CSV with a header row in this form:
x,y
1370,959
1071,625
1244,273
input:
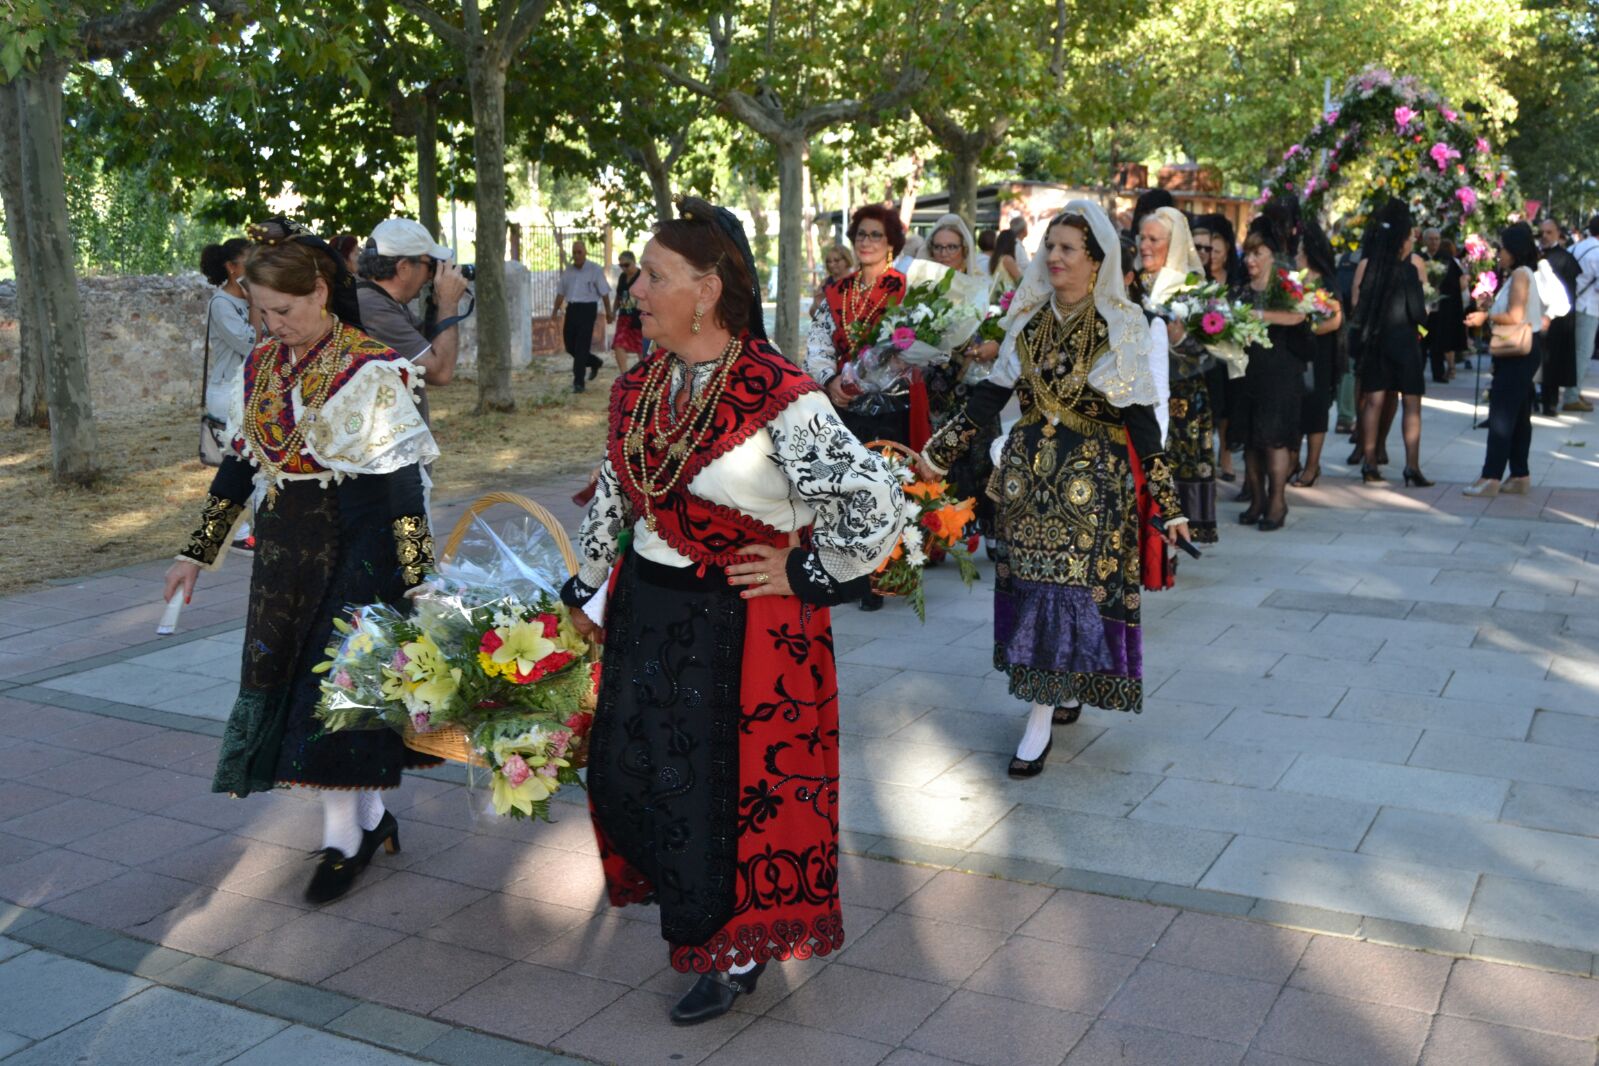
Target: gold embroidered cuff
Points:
x,y
217,519
1163,486
413,547
952,441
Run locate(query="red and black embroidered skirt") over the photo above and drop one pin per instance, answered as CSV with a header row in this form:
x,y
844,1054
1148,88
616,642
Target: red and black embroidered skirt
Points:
x,y
713,767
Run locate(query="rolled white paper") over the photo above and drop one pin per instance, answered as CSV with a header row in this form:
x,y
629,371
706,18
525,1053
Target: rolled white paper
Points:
x,y
169,617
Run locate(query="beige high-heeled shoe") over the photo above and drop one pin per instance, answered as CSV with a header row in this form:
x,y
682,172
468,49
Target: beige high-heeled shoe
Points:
x,y
1516,486
1485,486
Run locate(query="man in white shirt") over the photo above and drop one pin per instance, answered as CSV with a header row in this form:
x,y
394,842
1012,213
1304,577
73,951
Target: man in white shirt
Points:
x,y
1018,226
1586,305
580,292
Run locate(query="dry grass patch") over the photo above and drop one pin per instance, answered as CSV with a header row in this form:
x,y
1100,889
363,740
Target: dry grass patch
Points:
x,y
144,506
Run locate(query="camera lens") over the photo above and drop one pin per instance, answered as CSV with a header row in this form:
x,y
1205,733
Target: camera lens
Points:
x,y
469,271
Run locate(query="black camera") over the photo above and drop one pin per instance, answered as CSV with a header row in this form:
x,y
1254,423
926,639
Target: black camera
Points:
x,y
469,271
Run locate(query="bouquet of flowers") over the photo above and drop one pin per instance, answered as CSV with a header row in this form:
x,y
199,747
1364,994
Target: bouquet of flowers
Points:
x,y
1486,286
991,329
934,522
939,312
1224,325
489,652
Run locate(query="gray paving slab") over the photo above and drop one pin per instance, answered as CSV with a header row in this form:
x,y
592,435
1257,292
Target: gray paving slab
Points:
x,y
1203,760
1563,810
1482,718
311,1047
1071,786
157,1025
1341,881
1116,846
43,993
1369,741
1537,912
1234,690
1385,784
1487,847
910,814
1270,813
1532,763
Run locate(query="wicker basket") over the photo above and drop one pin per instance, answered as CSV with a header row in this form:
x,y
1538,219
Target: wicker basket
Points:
x,y
450,742
914,457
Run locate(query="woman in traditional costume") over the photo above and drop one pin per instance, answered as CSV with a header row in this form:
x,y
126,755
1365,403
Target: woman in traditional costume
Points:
x,y
845,324
1166,250
713,758
948,384
1076,355
327,439
627,340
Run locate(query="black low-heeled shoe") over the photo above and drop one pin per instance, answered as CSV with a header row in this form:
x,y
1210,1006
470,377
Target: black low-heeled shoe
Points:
x,y
386,835
334,875
1372,475
1250,517
1268,525
1356,457
1020,767
1414,477
1067,715
713,994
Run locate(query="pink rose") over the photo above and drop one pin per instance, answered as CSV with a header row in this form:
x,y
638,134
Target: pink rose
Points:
x,y
1449,116
1213,323
1404,116
421,721
1468,199
1295,150
516,770
343,679
1482,145
1005,300
1487,285
1331,116
549,769
1441,154
904,337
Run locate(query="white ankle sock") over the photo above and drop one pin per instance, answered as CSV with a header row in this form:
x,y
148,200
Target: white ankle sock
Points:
x,y
340,827
369,810
1071,705
1040,721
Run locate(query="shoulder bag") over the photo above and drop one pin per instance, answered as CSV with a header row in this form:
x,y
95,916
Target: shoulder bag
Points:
x,y
213,431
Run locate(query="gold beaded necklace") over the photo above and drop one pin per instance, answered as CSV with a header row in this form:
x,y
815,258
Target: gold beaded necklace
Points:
x,y
273,388
679,439
862,300
1058,394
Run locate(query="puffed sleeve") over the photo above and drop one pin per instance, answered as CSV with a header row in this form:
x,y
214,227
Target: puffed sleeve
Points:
x,y
597,538
821,359
856,496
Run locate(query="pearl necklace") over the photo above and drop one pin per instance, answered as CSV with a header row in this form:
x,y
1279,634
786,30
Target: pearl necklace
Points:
x,y
648,432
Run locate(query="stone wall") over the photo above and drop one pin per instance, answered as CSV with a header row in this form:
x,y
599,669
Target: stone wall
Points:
x,y
146,337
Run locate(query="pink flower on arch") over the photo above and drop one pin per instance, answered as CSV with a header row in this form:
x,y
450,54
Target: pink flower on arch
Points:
x,y
1468,199
1441,154
1404,116
1331,116
904,337
1482,145
1213,323
1295,150
1449,116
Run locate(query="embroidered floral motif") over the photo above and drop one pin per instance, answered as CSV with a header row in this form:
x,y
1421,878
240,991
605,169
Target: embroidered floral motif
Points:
x,y
413,547
217,518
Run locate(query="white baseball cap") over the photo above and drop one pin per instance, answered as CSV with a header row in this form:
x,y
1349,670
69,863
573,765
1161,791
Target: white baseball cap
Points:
x,y
404,237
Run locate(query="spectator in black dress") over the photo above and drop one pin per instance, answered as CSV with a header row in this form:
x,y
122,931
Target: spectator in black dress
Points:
x,y
1389,306
1446,326
1265,419
1560,338
1217,244
1316,259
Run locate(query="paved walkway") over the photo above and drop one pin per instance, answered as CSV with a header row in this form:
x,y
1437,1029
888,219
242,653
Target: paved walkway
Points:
x,y
1374,728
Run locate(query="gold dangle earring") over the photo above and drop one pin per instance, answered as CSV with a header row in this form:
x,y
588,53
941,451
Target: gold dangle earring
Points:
x,y
699,313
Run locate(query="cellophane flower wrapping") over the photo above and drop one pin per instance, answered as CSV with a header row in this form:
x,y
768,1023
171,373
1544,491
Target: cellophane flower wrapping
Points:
x,y
935,523
487,647
1211,315
939,312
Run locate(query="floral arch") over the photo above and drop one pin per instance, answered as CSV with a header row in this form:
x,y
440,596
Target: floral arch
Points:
x,y
1407,142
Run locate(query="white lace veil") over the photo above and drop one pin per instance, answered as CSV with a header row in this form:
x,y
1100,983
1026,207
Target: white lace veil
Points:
x,y
958,224
1122,373
1181,257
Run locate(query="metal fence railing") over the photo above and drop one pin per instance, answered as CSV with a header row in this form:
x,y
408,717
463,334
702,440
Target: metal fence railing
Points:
x,y
545,250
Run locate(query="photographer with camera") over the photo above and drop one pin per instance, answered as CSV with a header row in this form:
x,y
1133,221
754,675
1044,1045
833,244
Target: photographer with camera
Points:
x,y
398,260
